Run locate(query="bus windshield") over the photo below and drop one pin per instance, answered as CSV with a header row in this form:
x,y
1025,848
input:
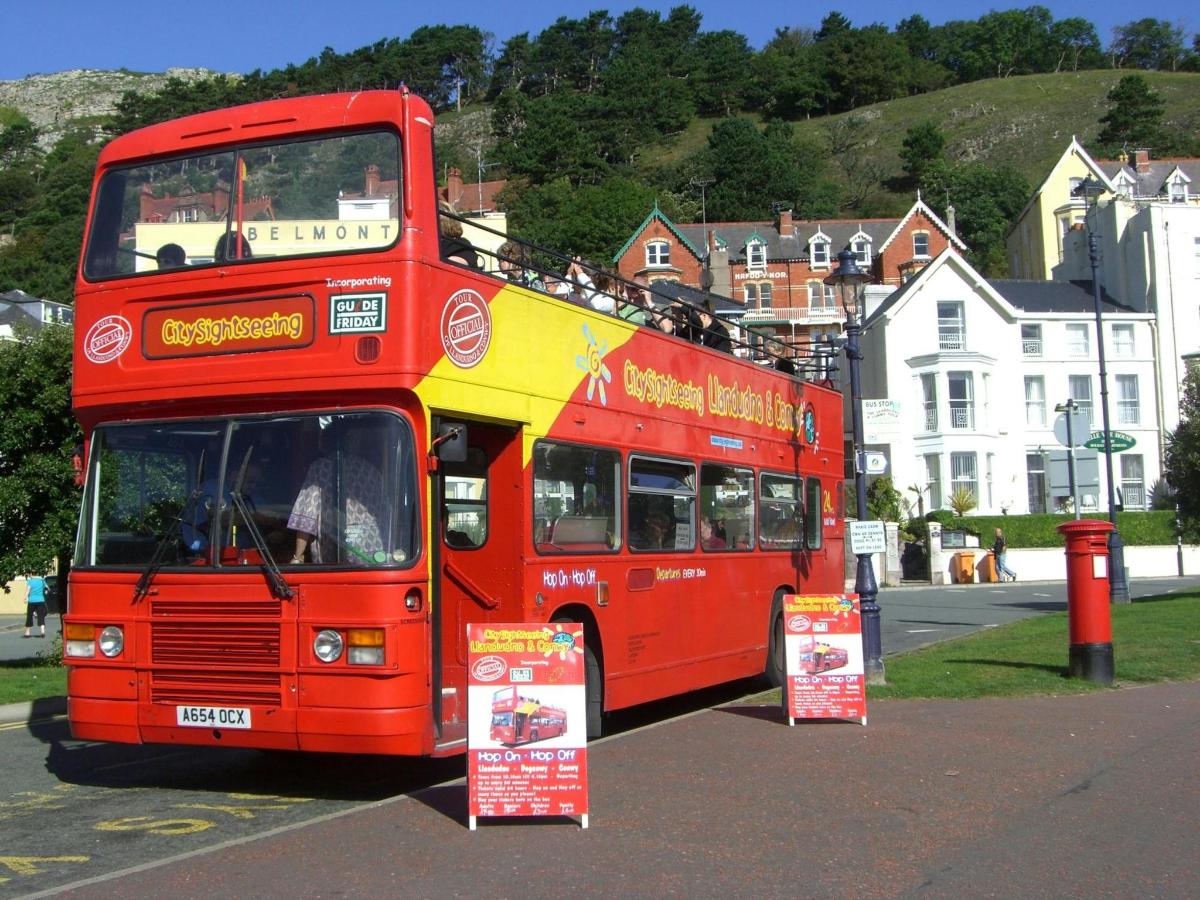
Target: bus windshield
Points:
x,y
327,490
332,194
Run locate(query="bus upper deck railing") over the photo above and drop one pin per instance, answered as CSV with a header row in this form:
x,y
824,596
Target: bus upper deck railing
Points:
x,y
549,271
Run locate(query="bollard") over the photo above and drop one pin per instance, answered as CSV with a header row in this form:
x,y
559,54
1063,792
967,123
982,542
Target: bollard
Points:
x,y
1089,620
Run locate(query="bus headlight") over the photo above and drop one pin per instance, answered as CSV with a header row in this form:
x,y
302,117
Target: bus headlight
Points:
x,y
366,647
328,645
79,641
112,641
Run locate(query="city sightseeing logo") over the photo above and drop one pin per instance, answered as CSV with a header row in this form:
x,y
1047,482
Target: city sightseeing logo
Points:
x,y
592,362
466,328
562,642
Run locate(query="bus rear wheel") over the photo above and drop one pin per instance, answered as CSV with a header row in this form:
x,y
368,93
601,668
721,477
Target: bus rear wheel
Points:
x,y
775,643
593,681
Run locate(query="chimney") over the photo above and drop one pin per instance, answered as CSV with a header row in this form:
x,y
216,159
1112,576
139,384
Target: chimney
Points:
x,y
372,181
1141,161
785,223
454,186
950,217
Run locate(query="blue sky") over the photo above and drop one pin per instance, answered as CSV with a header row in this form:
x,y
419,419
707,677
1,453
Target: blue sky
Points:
x,y
241,35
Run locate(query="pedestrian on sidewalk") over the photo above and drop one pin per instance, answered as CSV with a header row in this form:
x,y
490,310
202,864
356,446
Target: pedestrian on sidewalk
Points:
x,y
35,604
1000,550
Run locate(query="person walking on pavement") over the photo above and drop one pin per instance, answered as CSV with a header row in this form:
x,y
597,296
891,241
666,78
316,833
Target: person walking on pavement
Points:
x,y
1000,549
35,604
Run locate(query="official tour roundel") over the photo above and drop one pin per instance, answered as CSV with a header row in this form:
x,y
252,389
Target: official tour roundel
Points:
x,y
466,328
107,339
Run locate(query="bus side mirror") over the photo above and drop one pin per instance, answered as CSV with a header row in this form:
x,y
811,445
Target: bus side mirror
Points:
x,y
451,442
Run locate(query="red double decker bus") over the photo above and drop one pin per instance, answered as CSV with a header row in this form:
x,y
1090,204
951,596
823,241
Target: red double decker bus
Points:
x,y
523,720
317,450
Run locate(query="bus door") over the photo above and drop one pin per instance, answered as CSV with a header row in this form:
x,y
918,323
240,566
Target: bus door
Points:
x,y
478,525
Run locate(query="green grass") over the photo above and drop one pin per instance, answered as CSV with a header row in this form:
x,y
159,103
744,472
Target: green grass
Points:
x,y
1154,639
33,678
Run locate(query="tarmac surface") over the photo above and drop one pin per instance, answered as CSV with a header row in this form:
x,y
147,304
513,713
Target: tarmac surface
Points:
x,y
1079,796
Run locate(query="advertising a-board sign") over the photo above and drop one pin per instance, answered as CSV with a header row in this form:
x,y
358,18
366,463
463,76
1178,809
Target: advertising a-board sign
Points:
x,y
526,721
824,658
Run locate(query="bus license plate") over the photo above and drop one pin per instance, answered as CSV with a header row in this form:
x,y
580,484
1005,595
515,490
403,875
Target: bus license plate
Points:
x,y
212,716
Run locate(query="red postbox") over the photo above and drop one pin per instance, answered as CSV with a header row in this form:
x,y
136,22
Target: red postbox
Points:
x,y
1088,618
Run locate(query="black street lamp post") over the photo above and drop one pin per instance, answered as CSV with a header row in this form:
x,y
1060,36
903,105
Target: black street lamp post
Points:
x,y
848,278
1118,588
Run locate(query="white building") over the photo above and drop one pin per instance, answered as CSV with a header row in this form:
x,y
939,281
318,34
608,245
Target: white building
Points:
x,y
975,369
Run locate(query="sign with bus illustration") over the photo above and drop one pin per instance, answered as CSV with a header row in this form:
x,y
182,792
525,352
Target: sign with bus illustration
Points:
x,y
526,730
824,658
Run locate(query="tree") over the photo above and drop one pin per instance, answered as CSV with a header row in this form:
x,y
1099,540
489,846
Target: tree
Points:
x,y
924,145
1135,119
884,502
986,199
1182,461
1147,44
39,502
1076,45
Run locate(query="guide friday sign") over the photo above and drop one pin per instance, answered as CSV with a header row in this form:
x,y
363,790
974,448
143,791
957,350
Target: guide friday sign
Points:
x,y
824,658
526,721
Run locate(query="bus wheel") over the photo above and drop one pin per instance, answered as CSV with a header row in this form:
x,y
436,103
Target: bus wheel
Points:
x,y
594,681
775,644
533,736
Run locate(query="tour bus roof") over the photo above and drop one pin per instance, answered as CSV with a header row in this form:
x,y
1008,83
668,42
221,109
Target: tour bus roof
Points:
x,y
276,118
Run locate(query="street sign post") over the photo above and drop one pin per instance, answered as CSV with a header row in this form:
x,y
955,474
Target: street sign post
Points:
x,y
867,537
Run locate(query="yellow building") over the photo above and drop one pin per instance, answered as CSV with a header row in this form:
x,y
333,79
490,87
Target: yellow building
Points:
x,y
1035,241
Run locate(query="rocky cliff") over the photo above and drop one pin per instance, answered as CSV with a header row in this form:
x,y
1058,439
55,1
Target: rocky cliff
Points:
x,y
52,102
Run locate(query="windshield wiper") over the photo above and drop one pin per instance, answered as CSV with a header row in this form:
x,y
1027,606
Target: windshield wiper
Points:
x,y
279,586
142,588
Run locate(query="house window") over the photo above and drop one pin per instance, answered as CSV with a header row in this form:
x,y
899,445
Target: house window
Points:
x,y
1133,481
1178,192
962,401
929,396
1127,400
818,254
821,296
1080,389
1077,340
1035,480
1031,340
1035,401
751,296
1122,340
658,254
1073,187
933,478
764,295
862,251
920,244
951,327
989,463
1196,257
756,255
964,475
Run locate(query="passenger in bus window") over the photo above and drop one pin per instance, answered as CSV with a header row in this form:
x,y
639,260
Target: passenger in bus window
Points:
x,y
317,510
711,537
654,533
171,256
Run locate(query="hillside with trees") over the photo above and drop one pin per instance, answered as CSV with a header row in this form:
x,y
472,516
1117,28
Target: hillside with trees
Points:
x,y
595,119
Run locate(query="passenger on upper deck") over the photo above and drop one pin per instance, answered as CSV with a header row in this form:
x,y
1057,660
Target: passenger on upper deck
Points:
x,y
231,246
713,332
635,306
171,256
594,285
513,259
454,247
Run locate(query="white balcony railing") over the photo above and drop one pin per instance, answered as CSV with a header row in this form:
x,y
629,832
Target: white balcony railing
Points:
x,y
952,340
962,415
815,314
931,422
1031,347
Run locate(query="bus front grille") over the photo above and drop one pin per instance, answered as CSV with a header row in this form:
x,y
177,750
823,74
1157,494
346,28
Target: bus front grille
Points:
x,y
211,644
216,688
265,608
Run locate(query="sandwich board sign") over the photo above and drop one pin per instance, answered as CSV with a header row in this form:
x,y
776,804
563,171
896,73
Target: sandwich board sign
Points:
x,y
825,678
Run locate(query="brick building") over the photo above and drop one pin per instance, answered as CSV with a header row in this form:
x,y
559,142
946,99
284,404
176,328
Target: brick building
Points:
x,y
775,269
